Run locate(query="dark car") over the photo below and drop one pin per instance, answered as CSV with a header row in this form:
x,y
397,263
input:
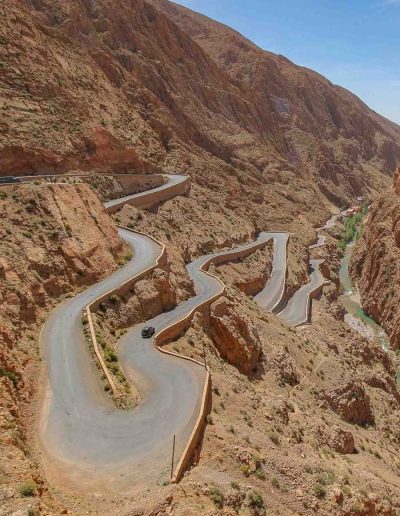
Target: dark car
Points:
x,y
9,179
148,331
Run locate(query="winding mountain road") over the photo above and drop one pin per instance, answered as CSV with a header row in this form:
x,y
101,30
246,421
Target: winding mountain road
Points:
x,y
88,443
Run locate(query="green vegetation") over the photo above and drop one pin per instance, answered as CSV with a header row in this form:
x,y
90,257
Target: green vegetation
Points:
x,y
274,438
256,502
217,497
10,375
326,477
319,491
275,483
27,488
114,299
245,470
353,228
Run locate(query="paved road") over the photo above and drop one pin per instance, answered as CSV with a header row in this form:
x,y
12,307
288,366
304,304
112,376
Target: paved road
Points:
x,y
298,309
320,242
163,192
271,295
91,445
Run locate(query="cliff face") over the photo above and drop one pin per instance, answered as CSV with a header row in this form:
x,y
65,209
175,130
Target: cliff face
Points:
x,y
101,85
376,262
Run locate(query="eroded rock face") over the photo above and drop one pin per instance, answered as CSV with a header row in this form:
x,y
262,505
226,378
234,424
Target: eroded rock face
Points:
x,y
339,440
286,369
351,402
235,336
375,264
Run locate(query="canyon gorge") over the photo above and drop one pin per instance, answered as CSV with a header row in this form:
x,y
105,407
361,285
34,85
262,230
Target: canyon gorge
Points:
x,y
103,99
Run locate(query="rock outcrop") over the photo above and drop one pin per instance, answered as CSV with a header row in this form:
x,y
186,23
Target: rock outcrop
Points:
x,y
351,402
339,440
235,336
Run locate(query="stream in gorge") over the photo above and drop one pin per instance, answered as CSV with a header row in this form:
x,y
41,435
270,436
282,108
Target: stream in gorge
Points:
x,y
355,316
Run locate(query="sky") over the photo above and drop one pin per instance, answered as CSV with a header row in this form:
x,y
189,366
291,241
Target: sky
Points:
x,y
354,43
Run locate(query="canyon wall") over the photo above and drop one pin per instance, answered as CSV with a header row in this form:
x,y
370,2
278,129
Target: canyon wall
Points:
x,y
375,264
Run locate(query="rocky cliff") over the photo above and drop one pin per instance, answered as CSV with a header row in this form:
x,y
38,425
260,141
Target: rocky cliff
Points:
x,y
106,86
375,263
118,85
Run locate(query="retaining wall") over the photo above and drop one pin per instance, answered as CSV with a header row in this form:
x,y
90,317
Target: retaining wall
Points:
x,y
153,198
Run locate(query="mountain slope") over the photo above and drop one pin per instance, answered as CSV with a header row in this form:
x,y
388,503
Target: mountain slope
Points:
x,y
326,128
124,84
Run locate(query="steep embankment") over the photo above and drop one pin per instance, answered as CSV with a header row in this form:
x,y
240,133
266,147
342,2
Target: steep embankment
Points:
x,y
375,264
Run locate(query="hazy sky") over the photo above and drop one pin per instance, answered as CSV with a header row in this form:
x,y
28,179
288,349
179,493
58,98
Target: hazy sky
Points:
x,y
354,43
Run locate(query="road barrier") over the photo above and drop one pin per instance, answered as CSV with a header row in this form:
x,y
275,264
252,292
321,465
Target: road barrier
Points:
x,y
152,197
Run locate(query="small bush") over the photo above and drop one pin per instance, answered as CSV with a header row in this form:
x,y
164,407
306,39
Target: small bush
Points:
x,y
217,497
319,491
257,502
275,483
209,420
274,437
260,474
326,477
245,470
235,485
114,299
110,355
27,488
10,375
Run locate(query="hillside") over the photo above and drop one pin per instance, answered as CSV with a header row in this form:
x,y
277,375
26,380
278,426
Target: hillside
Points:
x,y
118,85
303,421
345,146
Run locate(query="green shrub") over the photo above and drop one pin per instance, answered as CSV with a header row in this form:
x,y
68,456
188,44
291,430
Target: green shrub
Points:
x,y
110,355
245,469
274,437
27,488
319,491
260,474
256,501
10,375
326,477
217,497
114,299
275,483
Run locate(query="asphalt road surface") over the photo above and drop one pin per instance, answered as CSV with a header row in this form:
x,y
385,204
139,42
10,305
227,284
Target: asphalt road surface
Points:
x,y
89,444
298,309
271,295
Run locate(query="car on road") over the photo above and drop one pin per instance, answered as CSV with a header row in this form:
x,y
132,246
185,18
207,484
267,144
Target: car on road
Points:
x,y
148,331
9,179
